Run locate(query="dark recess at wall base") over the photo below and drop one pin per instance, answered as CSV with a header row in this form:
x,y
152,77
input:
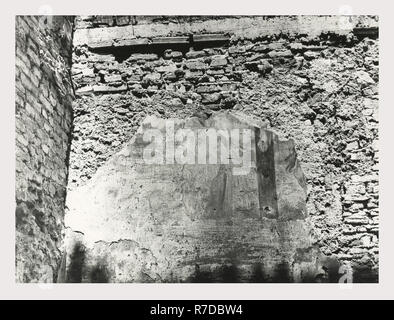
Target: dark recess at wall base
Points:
x,y
230,273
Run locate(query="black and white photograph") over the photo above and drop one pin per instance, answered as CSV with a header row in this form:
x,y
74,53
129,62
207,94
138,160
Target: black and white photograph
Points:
x,y
197,149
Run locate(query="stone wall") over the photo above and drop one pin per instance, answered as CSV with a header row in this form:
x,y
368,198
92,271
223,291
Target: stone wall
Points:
x,y
43,116
312,79
178,221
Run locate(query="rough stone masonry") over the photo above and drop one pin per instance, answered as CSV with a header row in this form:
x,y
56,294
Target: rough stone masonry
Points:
x,y
312,79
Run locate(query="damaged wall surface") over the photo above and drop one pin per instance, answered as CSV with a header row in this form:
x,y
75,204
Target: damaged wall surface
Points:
x,y
174,222
313,79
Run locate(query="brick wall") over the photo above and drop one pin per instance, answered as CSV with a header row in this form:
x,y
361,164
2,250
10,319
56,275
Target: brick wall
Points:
x,y
313,79
43,125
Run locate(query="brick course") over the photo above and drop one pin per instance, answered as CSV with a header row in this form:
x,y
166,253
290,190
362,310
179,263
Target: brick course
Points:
x,y
43,115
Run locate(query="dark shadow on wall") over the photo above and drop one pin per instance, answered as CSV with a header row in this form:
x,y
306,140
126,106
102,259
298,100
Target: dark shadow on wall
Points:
x,y
258,274
282,273
230,273
201,276
78,270
77,262
225,274
365,274
310,277
331,267
335,273
99,273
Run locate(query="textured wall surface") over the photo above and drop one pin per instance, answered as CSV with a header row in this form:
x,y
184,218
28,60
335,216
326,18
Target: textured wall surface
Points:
x,y
43,129
313,79
177,221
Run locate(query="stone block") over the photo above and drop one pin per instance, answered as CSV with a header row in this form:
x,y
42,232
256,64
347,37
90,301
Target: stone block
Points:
x,y
218,62
195,54
142,57
196,65
84,90
168,41
310,55
113,78
280,54
109,89
176,55
211,98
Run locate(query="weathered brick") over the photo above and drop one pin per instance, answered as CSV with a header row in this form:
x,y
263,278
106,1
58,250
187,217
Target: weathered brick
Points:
x,y
280,54
218,62
195,54
144,57
36,44
108,89
195,65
